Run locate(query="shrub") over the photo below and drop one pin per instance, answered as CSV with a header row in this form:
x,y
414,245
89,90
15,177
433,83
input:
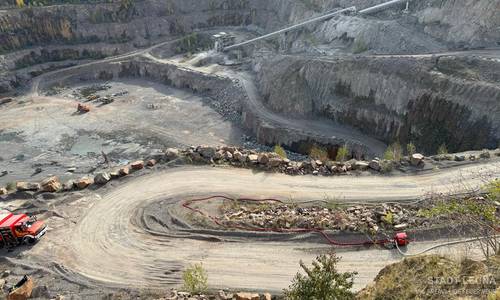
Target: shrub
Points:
x,y
195,279
393,152
342,153
318,152
280,151
322,281
442,150
386,166
388,218
10,186
411,149
359,46
493,190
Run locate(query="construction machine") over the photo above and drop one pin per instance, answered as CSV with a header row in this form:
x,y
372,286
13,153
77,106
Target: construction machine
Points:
x,y
19,229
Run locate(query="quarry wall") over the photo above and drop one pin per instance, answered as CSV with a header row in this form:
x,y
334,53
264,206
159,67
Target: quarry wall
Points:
x,y
429,101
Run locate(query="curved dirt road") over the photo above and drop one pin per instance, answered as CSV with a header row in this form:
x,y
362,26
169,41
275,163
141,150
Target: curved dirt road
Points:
x,y
108,244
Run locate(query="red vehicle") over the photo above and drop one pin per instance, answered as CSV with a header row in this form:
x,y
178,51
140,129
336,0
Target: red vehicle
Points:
x,y
19,229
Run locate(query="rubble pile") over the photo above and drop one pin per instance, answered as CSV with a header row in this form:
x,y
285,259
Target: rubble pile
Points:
x,y
354,218
220,295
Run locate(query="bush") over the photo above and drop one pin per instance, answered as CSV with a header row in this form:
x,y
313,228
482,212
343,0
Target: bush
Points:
x,y
322,281
11,186
359,46
442,150
411,149
393,152
195,279
386,166
342,153
318,152
280,151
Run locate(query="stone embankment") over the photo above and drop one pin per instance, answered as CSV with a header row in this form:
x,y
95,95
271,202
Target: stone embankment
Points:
x,y
244,158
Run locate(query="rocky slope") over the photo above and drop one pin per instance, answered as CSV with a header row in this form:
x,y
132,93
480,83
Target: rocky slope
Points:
x,y
426,100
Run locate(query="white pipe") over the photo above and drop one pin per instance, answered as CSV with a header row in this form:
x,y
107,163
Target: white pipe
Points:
x,y
380,7
313,20
365,11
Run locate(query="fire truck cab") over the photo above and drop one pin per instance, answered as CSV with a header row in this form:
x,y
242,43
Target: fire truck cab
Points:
x,y
19,229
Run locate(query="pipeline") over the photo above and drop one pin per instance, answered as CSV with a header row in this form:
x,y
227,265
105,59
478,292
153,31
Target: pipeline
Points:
x,y
328,15
187,205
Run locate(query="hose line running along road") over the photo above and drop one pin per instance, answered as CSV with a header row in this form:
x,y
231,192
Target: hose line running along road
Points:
x,y
107,245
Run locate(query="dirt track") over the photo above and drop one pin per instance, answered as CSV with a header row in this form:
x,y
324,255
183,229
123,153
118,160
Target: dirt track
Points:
x,y
110,244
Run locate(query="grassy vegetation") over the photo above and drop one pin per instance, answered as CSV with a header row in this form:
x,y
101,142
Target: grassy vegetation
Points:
x,y
195,279
429,277
192,43
318,152
359,46
394,152
342,153
442,150
322,281
11,186
280,151
411,149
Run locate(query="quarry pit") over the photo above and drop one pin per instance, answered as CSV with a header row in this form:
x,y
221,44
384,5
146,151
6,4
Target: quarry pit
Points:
x,y
206,122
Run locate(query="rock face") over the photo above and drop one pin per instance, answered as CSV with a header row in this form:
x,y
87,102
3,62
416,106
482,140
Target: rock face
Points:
x,y
51,184
377,96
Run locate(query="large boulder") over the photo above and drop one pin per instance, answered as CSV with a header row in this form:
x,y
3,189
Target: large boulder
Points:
x,y
246,296
361,165
375,165
27,186
253,158
84,182
51,184
23,292
207,152
3,191
68,185
151,162
275,162
172,153
102,178
263,158
417,160
124,171
137,165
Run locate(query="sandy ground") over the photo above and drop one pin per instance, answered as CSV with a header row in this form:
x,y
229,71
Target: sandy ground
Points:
x,y
103,237
48,133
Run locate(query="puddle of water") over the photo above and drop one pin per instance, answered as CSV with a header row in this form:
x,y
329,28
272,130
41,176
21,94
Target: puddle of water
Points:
x,y
88,144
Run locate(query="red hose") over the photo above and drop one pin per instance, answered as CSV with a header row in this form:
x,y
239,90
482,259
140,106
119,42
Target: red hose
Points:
x,y
187,204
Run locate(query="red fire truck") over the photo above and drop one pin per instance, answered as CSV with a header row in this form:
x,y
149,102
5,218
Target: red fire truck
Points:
x,y
19,229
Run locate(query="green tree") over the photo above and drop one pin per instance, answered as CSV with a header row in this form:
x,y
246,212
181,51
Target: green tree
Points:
x,y
321,282
342,153
280,151
195,279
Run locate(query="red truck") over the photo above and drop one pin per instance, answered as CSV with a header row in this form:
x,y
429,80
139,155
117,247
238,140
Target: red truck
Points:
x,y
19,229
